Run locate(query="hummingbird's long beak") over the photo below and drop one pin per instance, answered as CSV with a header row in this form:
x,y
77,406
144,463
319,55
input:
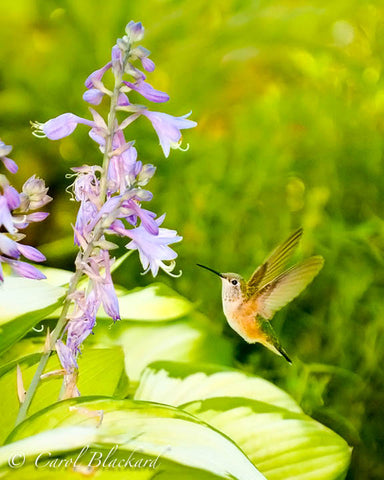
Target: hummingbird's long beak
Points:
x,y
210,269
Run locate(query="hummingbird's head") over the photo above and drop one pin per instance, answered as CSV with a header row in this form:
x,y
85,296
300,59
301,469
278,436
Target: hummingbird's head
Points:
x,y
232,286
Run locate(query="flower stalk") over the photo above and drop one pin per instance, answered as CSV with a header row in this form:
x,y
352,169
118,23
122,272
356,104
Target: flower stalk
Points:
x,y
110,200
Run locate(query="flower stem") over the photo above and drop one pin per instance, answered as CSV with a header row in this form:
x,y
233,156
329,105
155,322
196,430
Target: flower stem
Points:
x,y
109,139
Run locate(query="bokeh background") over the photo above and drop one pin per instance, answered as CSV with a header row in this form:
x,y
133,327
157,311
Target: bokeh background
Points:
x,y
289,96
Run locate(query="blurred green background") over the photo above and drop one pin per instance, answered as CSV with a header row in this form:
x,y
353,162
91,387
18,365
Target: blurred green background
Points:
x,y
289,97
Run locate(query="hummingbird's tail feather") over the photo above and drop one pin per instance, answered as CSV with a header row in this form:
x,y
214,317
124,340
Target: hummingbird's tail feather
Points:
x,y
271,341
283,353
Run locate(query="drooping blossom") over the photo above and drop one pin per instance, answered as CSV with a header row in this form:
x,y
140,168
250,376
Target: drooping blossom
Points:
x,y
168,128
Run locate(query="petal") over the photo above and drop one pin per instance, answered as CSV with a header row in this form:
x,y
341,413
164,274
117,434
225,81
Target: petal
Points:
x,y
37,216
148,92
12,196
5,215
97,75
148,64
31,253
9,164
135,31
122,100
26,270
8,246
60,127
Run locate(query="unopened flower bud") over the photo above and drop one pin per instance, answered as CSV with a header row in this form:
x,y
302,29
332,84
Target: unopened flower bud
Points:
x,y
106,245
34,194
134,31
117,63
146,174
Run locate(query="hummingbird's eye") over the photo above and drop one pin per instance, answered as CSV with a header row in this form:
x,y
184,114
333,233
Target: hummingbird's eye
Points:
x,y
234,282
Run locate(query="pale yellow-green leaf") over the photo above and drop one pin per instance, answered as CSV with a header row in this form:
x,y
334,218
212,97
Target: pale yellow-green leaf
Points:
x,y
176,383
23,303
153,430
283,445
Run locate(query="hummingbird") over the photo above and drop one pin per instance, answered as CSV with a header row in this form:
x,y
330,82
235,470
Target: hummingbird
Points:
x,y
250,305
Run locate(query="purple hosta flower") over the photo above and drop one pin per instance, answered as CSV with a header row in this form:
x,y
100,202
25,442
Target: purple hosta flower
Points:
x,y
93,96
59,127
66,357
147,91
148,64
168,128
83,226
153,249
82,320
102,284
9,164
68,362
86,189
123,164
87,185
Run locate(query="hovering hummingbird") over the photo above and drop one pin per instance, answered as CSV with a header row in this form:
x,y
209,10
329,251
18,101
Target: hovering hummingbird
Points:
x,y
249,306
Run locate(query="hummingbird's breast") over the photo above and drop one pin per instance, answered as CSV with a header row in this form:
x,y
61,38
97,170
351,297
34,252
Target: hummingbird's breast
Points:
x,y
241,316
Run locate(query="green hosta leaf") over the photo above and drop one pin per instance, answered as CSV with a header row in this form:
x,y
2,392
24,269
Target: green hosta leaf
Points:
x,y
23,303
156,302
100,374
176,383
282,444
141,427
190,340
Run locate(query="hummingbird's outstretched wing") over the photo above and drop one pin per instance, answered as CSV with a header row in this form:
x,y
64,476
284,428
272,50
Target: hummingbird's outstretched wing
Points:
x,y
287,286
274,264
